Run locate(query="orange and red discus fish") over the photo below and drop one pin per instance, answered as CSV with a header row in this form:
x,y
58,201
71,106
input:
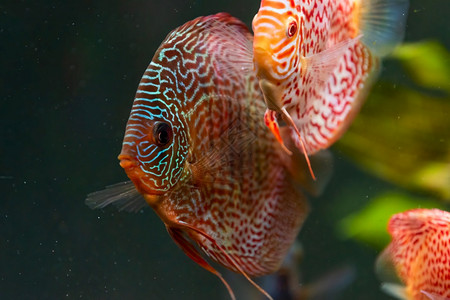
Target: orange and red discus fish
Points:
x,y
197,150
315,61
416,264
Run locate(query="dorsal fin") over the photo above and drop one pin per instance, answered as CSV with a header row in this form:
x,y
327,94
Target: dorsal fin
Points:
x,y
240,59
382,22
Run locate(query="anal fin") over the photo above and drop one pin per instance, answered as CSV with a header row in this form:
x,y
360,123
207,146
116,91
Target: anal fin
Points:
x,y
192,252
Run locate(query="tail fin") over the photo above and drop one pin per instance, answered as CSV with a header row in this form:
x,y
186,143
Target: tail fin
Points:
x,y
382,24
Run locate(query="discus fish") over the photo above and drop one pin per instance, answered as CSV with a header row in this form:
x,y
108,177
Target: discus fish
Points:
x,y
197,150
416,264
315,61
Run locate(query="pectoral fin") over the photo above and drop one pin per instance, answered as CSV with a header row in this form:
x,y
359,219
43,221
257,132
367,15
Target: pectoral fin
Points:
x,y
322,64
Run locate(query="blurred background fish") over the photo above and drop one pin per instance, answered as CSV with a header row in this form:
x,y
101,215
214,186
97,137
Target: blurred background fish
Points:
x,y
416,264
197,150
316,60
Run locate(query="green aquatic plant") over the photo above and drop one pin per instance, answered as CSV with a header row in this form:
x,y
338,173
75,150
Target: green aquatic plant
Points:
x,y
402,134
369,224
427,63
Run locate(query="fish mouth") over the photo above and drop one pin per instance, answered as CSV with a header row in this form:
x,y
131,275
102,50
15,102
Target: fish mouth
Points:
x,y
127,162
138,177
131,167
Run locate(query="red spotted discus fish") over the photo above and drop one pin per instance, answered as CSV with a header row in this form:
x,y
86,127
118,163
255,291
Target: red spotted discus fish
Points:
x,y
315,61
416,264
197,150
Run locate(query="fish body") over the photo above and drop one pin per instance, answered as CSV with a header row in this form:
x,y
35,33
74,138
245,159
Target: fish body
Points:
x,y
316,60
197,150
416,264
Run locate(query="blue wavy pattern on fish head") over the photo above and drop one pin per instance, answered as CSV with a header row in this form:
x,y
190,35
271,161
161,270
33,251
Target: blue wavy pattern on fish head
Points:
x,y
156,144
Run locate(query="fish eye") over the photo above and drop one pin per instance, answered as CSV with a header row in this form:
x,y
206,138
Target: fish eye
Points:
x,y
291,29
162,133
